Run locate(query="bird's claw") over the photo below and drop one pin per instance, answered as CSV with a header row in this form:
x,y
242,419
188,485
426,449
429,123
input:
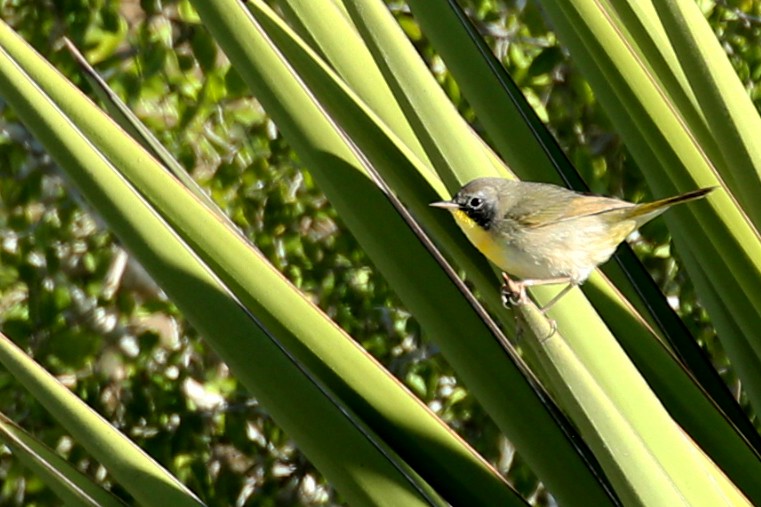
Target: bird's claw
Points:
x,y
553,330
513,292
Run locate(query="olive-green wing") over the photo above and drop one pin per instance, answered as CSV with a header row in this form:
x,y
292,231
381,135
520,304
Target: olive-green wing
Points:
x,y
542,206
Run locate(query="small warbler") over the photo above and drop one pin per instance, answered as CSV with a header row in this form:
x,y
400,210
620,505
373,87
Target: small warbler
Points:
x,y
545,234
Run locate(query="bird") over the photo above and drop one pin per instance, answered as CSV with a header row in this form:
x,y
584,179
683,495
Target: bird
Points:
x,y
545,234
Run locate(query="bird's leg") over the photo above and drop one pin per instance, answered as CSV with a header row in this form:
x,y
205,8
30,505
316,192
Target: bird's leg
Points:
x,y
514,291
557,297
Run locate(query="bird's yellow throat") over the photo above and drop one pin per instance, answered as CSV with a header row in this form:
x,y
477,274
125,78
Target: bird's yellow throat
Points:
x,y
480,237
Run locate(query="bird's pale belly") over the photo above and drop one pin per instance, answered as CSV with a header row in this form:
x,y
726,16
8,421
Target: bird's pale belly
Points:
x,y
513,260
543,261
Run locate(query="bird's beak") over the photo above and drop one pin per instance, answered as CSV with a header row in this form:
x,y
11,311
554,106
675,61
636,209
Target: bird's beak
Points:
x,y
445,205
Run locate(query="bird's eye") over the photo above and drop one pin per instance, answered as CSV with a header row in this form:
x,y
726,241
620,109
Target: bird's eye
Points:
x,y
475,202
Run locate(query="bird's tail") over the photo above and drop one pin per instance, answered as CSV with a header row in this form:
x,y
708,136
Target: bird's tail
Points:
x,y
645,212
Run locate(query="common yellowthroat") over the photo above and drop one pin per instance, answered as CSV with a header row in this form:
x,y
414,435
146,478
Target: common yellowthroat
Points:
x,y
545,234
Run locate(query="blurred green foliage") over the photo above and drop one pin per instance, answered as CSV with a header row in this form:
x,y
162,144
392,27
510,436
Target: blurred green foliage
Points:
x,y
110,335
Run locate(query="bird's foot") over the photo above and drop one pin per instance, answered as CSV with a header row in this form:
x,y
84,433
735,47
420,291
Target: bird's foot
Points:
x,y
553,330
513,292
